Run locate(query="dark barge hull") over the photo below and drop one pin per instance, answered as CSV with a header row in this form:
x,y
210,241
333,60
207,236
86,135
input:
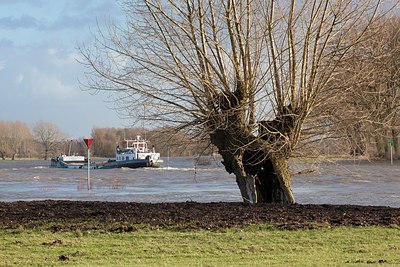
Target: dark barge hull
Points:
x,y
125,164
111,164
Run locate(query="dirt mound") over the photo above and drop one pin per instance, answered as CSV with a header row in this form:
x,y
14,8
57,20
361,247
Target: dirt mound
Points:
x,y
191,214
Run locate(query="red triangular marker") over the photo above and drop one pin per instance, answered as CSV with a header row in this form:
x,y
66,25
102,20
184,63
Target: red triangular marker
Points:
x,y
88,141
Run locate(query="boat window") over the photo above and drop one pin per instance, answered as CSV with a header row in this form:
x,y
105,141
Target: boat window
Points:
x,y
127,158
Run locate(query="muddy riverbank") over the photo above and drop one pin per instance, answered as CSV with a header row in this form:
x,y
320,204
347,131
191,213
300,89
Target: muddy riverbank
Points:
x,y
188,215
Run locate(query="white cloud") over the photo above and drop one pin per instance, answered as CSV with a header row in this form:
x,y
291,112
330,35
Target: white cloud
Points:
x,y
19,78
2,65
49,86
31,2
66,60
13,23
75,57
51,51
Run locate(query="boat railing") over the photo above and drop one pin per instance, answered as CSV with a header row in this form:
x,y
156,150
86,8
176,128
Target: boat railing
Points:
x,y
139,144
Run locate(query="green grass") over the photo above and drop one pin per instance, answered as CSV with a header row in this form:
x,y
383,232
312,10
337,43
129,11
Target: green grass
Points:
x,y
251,246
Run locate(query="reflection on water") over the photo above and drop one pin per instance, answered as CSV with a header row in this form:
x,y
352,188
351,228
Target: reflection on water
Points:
x,y
361,183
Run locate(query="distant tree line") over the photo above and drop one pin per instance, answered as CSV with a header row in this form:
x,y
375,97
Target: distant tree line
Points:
x,y
46,140
18,141
164,139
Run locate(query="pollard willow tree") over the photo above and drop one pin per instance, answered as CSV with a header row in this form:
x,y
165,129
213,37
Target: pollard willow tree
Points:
x,y
244,73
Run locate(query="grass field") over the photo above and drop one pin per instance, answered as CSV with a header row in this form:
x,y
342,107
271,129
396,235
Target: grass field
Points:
x,y
258,245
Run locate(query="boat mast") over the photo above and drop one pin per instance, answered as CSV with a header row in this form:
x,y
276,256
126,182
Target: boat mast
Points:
x,y
70,144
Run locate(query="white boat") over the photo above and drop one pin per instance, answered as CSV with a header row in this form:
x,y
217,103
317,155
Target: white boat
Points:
x,y
71,162
135,154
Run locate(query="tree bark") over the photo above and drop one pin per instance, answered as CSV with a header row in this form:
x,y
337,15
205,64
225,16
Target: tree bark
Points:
x,y
357,141
46,151
265,182
274,181
380,147
261,177
395,141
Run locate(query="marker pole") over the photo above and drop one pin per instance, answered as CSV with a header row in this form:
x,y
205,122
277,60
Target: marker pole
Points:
x,y
88,169
88,142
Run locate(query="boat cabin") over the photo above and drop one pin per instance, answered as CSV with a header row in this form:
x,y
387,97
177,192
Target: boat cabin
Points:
x,y
136,149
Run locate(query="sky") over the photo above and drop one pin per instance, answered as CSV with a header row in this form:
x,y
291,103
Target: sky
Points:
x,y
39,70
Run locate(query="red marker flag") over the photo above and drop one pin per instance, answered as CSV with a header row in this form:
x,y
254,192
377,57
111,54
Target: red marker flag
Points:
x,y
88,142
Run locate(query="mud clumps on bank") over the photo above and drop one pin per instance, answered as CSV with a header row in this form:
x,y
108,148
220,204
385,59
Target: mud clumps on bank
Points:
x,y
123,216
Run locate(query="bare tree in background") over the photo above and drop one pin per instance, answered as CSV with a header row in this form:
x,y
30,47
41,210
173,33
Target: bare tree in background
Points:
x,y
244,73
4,146
382,88
104,141
14,138
18,136
364,95
49,135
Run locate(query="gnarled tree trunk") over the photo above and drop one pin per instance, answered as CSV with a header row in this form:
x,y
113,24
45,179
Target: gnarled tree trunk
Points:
x,y
274,181
262,177
267,181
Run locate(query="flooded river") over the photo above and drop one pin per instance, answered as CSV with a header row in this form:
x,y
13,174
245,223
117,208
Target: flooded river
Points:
x,y
350,182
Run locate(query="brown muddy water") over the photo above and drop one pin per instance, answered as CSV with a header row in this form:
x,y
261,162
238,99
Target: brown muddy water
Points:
x,y
344,182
